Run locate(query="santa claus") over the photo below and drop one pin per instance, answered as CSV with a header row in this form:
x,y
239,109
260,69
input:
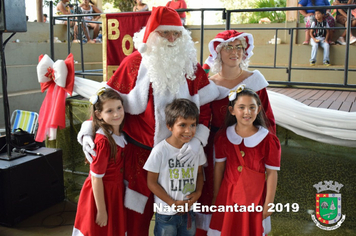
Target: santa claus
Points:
x,y
164,68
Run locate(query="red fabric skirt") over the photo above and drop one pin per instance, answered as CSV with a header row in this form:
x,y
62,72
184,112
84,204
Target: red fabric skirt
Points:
x,y
114,200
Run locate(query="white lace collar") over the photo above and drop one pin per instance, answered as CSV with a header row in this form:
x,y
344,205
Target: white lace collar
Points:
x,y
251,141
119,140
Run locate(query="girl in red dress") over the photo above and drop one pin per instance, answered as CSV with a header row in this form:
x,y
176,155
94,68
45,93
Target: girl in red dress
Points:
x,y
245,132
101,208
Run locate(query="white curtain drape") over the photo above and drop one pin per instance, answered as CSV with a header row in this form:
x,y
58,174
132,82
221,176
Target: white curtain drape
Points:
x,y
320,124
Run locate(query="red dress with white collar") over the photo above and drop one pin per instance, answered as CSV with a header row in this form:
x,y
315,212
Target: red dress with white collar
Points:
x,y
257,83
262,150
112,173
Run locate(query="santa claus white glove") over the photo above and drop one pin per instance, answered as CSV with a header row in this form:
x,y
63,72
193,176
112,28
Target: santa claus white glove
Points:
x,y
189,151
88,148
85,138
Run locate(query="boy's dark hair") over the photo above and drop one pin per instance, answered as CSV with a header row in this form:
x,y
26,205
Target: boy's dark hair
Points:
x,y
322,11
107,94
261,119
181,108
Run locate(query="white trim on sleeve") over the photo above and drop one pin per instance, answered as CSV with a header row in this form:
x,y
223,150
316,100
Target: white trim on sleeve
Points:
x,y
220,159
272,167
97,175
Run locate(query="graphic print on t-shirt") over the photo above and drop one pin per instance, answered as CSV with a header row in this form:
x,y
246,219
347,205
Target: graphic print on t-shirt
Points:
x,y
181,177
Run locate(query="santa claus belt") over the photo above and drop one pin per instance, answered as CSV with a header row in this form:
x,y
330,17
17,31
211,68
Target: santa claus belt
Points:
x,y
214,129
134,142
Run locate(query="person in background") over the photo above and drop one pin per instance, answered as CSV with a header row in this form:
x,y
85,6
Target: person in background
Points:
x,y
100,209
71,8
309,17
45,20
176,184
87,7
244,144
149,79
341,17
178,5
63,9
140,6
319,37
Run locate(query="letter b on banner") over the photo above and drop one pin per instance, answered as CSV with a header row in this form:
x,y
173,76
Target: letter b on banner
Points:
x,y
113,29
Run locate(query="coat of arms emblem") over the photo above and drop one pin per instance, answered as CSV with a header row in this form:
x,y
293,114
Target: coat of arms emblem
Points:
x,y
328,205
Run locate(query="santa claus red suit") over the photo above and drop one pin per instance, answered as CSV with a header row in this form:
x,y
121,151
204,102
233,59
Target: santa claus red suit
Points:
x,y
164,68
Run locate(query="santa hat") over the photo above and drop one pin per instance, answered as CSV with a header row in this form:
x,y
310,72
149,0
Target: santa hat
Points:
x,y
225,37
162,18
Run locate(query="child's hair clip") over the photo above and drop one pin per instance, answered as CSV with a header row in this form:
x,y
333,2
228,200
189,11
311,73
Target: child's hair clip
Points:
x,y
233,93
94,99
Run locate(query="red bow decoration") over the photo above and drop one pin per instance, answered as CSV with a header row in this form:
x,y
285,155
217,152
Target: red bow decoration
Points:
x,y
58,79
50,73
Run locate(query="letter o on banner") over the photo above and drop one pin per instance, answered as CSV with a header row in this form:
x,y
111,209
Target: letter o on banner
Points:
x,y
127,38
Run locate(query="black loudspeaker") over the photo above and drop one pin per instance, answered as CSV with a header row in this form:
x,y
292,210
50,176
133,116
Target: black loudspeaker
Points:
x,y
13,16
30,184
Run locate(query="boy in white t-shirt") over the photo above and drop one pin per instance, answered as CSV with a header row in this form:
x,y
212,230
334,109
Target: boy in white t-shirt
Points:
x,y
176,185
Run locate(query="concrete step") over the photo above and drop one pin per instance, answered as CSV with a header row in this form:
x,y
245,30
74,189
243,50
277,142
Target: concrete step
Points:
x,y
24,91
264,54
24,77
27,53
308,76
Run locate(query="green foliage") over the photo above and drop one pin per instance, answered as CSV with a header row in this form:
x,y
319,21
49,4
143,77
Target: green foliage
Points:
x,y
254,17
273,16
238,18
123,5
46,2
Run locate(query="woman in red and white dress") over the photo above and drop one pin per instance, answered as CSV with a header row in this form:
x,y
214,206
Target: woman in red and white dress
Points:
x,y
230,52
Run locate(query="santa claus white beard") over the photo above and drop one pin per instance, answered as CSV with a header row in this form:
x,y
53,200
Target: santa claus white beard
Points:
x,y
169,63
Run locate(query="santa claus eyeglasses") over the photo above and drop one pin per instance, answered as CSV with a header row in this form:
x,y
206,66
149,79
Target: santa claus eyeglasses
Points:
x,y
169,33
230,48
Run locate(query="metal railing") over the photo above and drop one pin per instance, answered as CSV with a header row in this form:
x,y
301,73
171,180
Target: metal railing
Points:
x,y
79,20
226,14
291,30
